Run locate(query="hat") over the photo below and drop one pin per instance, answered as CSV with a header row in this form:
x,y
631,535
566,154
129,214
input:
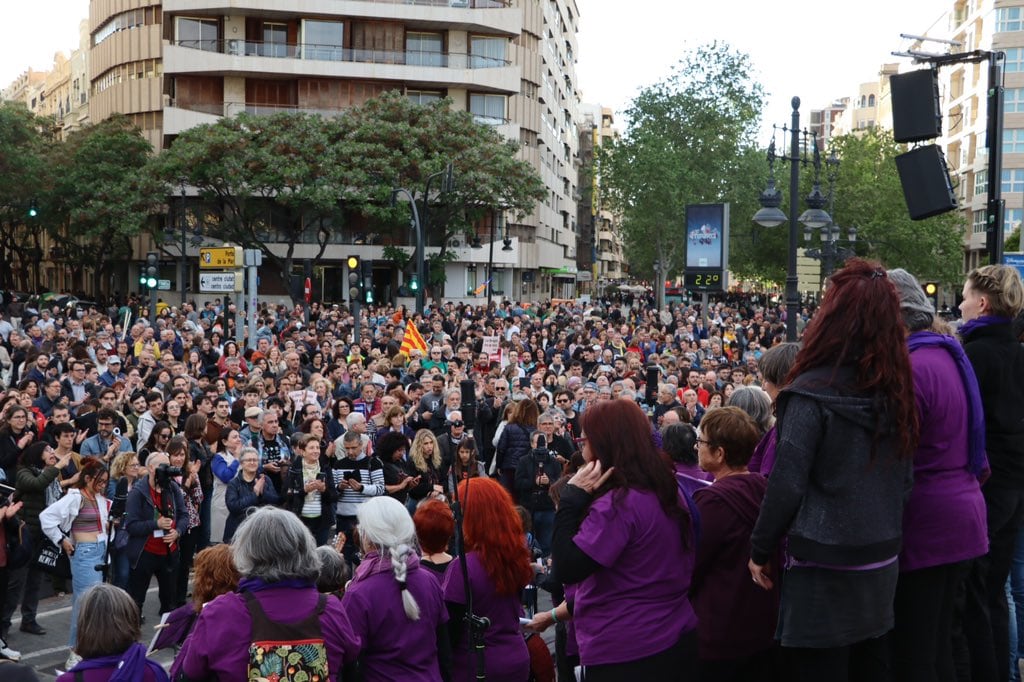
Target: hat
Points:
x,y
113,360
912,297
573,382
590,386
251,412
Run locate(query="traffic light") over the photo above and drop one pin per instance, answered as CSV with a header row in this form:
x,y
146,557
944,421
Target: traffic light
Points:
x,y
33,209
366,271
148,274
931,290
354,279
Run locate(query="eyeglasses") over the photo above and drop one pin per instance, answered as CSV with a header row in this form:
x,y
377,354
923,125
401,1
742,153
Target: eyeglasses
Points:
x,y
561,400
165,435
249,461
459,423
701,441
498,388
580,442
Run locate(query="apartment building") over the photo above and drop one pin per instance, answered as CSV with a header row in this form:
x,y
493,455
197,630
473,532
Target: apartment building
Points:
x,y
175,64
600,244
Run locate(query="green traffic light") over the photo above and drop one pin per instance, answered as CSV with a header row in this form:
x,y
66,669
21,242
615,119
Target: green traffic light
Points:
x,y
151,283
414,284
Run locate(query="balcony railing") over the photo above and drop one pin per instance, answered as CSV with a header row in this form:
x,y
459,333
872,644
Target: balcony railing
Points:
x,y
334,53
460,4
261,109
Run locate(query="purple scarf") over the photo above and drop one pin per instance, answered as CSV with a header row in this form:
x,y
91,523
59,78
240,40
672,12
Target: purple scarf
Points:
x,y
257,584
984,321
129,666
374,563
977,460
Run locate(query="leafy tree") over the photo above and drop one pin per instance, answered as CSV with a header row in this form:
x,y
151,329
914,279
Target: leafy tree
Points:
x,y
27,172
868,195
1012,242
686,144
101,194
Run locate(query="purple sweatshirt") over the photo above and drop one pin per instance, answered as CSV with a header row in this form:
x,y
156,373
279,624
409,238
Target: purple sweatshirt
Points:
x,y
944,519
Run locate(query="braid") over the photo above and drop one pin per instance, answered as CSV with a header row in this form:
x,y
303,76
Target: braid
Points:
x,y
399,555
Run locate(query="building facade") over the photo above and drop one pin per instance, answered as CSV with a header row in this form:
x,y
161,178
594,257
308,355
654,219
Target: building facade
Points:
x,y
600,244
173,64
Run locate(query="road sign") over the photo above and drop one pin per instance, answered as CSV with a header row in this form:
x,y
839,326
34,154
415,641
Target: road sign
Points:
x,y
1016,260
220,257
163,284
220,282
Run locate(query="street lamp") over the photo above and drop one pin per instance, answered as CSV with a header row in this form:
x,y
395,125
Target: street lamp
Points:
x,y
446,186
506,241
830,251
771,215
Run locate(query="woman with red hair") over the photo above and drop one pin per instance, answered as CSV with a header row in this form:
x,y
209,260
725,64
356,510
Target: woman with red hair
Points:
x,y
624,536
847,431
498,565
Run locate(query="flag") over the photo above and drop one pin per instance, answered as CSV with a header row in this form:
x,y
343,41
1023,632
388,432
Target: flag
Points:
x,y
412,340
483,287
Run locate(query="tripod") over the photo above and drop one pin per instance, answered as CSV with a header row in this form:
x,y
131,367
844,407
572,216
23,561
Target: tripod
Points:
x,y
477,624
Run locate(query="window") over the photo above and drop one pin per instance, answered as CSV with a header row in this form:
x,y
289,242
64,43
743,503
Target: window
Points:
x,y
978,222
1014,60
471,282
1012,218
486,52
1013,180
323,40
981,182
871,100
424,49
1008,19
199,34
1013,101
424,96
490,109
1013,141
275,40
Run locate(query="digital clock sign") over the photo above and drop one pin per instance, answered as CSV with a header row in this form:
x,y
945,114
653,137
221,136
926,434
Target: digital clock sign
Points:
x,y
706,280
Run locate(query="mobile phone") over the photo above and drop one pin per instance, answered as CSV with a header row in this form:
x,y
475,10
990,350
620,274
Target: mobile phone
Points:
x,y
524,382
352,476
8,494
321,476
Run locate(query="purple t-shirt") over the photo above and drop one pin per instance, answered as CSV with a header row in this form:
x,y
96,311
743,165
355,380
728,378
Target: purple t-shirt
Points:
x,y
394,647
642,584
507,657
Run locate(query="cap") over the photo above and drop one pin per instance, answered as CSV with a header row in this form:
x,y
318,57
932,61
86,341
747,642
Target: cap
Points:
x,y
113,360
590,386
251,412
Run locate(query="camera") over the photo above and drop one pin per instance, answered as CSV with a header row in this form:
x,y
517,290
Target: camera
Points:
x,y
117,431
164,474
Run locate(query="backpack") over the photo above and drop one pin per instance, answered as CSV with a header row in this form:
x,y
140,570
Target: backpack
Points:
x,y
286,652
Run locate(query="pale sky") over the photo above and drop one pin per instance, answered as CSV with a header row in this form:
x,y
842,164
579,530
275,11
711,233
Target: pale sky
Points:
x,y
817,49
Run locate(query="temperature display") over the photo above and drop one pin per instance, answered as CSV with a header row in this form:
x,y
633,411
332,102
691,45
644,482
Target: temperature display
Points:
x,y
704,281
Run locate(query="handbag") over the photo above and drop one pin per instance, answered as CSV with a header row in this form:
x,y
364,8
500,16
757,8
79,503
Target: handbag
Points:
x,y
53,559
121,539
19,545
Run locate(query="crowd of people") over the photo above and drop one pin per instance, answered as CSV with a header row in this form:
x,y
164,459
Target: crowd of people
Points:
x,y
703,500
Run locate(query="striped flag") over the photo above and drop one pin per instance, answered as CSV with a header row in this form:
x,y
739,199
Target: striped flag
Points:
x,y
412,340
482,288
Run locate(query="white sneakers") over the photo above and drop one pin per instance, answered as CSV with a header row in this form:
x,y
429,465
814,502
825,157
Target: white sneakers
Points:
x,y
73,660
8,653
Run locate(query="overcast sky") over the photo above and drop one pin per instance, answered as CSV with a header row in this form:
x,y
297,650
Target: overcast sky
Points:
x,y
810,48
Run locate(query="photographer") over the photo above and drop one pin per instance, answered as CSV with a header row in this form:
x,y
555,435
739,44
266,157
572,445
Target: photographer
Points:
x,y
535,473
155,516
8,531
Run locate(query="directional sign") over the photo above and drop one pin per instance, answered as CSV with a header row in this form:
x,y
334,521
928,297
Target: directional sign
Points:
x,y
220,282
163,284
1016,260
220,257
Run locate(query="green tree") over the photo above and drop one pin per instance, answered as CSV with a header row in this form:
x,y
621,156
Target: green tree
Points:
x,y
868,196
102,195
1012,242
27,172
686,143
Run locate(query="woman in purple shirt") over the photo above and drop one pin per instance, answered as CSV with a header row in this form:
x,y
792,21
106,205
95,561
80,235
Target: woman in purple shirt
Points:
x,y
394,605
498,565
623,532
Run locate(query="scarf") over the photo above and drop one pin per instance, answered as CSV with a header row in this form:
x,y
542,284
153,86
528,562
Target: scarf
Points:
x,y
374,562
967,328
258,584
129,665
977,460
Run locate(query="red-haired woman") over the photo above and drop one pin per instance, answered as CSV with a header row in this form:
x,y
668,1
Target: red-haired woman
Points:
x,y
498,565
623,532
847,430
435,527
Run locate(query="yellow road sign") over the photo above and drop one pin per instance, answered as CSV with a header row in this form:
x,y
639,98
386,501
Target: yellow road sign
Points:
x,y
220,257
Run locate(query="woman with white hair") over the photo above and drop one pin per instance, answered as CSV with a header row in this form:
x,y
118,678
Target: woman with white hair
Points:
x,y
277,601
395,607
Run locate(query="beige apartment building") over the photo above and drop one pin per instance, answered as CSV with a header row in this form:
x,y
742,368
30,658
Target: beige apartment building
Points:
x,y
600,250
174,64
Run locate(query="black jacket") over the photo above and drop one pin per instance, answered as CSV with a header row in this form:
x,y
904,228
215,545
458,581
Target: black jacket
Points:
x,y
141,515
528,493
295,493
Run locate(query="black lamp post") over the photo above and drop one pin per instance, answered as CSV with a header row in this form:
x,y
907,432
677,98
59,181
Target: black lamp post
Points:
x,y
446,186
830,252
506,246
771,215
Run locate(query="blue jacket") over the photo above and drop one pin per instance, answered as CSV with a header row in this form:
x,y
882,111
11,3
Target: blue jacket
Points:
x,y
513,444
141,516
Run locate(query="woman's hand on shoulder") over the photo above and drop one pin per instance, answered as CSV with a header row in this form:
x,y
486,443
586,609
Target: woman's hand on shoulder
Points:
x,y
590,477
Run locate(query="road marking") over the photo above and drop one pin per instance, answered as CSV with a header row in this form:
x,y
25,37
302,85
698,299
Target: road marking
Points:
x,y
44,652
62,609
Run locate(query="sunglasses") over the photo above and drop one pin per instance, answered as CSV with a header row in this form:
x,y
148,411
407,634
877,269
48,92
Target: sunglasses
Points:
x,y
459,423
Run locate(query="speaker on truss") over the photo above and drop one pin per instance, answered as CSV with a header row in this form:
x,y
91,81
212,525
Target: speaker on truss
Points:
x,y
916,114
925,180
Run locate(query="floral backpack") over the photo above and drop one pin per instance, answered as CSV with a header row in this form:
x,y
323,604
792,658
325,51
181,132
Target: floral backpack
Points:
x,y
286,652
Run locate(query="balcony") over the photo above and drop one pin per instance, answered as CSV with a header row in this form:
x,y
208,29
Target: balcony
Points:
x,y
241,57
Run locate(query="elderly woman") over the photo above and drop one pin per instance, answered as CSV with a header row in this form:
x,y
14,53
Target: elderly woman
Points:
x,y
395,606
774,366
848,429
277,600
737,618
108,647
622,516
249,489
993,295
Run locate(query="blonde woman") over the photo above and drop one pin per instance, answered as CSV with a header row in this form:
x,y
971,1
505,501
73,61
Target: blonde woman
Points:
x,y
425,455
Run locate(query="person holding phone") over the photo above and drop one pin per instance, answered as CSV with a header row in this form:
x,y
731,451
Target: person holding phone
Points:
x,y
309,494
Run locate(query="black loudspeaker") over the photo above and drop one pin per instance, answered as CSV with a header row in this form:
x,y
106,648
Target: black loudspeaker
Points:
x,y
925,181
916,114
468,406
651,385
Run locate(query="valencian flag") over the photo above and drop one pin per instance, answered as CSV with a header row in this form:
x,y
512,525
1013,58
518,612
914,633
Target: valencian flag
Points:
x,y
482,288
412,340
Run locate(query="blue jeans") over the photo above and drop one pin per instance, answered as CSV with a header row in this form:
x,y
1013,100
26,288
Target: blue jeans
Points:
x,y
87,556
543,529
121,569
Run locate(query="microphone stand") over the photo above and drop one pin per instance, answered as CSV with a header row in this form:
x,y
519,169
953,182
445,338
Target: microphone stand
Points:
x,y
477,624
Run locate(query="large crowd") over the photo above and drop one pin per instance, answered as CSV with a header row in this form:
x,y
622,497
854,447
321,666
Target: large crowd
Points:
x,y
702,499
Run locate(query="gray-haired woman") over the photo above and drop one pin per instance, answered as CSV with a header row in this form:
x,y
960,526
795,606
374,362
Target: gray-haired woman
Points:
x,y
276,556
249,489
396,608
